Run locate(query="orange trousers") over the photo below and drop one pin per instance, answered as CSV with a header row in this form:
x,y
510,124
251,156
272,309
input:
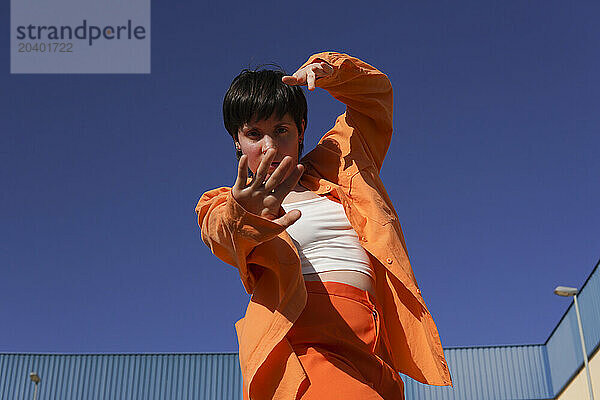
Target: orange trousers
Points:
x,y
337,341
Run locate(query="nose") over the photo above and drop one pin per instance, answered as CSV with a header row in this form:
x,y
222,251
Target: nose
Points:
x,y
268,143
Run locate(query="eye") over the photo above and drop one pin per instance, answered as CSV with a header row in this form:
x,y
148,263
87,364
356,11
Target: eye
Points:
x,y
280,130
253,134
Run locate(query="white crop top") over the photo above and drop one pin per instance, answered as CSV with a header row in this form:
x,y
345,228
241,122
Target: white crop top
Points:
x,y
324,238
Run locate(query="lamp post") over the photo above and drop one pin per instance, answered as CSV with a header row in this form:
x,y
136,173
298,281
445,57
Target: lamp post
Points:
x,y
572,292
36,379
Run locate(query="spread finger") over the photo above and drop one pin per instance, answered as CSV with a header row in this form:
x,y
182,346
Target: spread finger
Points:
x,y
289,183
242,175
263,168
279,174
310,79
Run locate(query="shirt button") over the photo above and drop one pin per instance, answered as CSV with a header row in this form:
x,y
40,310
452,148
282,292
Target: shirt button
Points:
x,y
389,260
328,187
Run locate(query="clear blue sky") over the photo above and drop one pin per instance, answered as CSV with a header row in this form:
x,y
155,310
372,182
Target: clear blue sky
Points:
x,y
494,169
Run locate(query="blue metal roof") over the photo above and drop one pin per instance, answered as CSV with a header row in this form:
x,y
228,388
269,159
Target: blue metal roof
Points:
x,y
495,372
564,345
121,376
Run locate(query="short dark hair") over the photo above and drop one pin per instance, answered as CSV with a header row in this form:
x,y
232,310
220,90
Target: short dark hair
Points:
x,y
256,95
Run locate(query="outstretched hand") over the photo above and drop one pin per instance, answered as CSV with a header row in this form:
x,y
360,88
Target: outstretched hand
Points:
x,y
308,75
263,195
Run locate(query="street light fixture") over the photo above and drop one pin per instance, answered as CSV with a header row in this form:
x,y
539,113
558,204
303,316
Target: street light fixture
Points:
x,y
36,379
568,292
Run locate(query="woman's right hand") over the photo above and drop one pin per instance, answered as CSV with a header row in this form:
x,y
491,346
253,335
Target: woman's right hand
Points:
x,y
262,196
309,74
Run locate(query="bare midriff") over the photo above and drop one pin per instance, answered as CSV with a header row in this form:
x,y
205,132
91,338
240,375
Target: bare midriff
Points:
x,y
352,278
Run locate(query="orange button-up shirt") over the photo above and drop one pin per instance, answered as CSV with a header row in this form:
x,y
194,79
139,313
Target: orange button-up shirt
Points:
x,y
344,165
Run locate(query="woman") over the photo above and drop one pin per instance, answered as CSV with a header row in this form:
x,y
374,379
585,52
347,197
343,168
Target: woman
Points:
x,y
335,311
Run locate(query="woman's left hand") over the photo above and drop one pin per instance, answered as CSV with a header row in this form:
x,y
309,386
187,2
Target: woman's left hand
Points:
x,y
308,75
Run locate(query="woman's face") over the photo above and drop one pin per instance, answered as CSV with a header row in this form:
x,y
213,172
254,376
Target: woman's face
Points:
x,y
256,137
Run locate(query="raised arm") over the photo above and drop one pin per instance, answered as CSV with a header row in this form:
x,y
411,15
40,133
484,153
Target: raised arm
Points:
x,y
367,93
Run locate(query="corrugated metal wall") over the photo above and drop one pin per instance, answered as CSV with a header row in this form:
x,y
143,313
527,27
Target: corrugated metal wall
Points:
x,y
121,376
490,373
564,345
482,373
